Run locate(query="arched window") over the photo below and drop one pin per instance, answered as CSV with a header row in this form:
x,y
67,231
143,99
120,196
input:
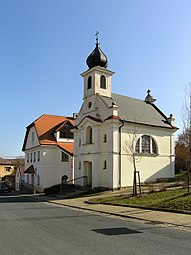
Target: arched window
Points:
x,y
89,135
102,82
146,144
64,178
89,82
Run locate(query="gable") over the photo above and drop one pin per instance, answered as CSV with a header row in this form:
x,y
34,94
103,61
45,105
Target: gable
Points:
x,y
31,138
42,130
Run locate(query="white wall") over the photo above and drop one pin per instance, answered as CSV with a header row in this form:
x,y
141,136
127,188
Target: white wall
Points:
x,y
151,167
50,168
30,142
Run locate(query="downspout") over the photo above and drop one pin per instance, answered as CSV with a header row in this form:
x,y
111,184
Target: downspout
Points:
x,y
72,170
120,143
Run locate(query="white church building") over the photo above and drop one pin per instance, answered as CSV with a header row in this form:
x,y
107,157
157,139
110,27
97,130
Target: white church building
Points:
x,y
114,134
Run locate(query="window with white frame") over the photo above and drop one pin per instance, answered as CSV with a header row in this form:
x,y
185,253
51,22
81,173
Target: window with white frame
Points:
x,y
146,145
102,82
64,157
65,132
38,156
32,136
7,168
38,180
105,138
27,157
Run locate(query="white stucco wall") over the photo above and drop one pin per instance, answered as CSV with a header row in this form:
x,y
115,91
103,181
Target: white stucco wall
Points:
x,y
150,166
30,143
49,168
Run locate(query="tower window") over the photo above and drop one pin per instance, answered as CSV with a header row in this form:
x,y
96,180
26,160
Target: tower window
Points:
x,y
102,82
89,82
105,165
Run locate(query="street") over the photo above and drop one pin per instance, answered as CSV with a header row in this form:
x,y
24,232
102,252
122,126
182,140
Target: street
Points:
x,y
32,227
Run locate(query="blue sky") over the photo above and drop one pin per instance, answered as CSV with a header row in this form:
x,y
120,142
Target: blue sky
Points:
x,y
44,45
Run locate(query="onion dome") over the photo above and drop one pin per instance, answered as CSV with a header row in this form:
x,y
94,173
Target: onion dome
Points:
x,y
97,57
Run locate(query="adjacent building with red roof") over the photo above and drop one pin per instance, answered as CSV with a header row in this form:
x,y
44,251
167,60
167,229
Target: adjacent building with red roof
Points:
x,y
49,149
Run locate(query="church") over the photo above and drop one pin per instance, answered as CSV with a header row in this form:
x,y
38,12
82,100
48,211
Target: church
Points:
x,y
116,136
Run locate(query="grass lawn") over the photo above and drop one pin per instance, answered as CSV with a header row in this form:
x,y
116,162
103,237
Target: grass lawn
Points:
x,y
176,199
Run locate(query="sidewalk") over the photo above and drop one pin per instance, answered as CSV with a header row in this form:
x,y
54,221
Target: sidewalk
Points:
x,y
178,220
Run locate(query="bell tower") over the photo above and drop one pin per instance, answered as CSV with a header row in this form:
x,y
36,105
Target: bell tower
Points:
x,y
97,79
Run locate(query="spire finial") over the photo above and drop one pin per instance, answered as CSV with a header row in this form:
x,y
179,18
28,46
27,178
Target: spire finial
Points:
x,y
97,33
149,98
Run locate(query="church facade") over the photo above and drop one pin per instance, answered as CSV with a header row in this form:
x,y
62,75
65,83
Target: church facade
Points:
x,y
116,136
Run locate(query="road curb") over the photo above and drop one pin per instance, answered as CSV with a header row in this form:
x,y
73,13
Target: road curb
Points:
x,y
143,207
154,222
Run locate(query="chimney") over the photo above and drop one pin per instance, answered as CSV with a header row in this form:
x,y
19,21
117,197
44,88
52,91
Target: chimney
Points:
x,y
75,115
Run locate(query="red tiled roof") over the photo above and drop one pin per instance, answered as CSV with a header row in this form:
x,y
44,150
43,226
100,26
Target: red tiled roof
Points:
x,y
45,127
69,147
48,122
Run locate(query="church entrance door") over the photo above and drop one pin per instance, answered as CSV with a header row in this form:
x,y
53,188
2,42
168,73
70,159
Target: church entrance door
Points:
x,y
88,172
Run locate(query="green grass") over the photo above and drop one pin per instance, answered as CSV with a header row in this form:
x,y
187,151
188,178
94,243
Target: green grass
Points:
x,y
176,199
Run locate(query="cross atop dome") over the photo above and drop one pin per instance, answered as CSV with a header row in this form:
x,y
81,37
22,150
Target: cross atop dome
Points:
x,y
97,33
97,57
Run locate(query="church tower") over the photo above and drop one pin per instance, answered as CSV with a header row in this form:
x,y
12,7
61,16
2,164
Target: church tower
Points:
x,y
97,79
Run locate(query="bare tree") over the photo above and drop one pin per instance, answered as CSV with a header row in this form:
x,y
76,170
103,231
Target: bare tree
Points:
x,y
130,148
186,119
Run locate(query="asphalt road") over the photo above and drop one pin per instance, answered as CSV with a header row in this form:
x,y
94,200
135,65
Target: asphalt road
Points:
x,y
30,227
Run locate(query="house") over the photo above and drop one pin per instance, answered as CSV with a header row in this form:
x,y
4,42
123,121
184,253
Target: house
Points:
x,y
11,170
48,147
117,136
7,167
